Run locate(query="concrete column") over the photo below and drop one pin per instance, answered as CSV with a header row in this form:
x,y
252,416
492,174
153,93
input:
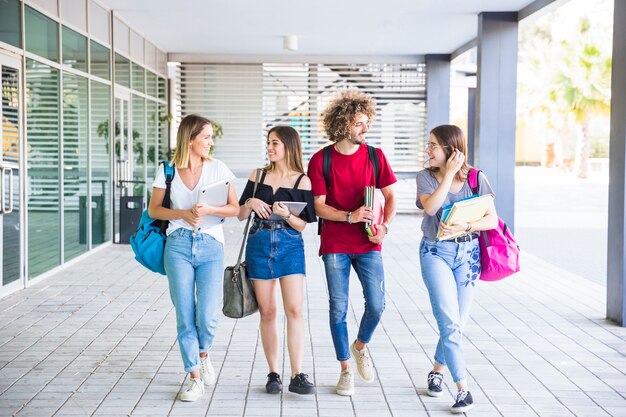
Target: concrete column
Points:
x,y
494,145
437,90
616,268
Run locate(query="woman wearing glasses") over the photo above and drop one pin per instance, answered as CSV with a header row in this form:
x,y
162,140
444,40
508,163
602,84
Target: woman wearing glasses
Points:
x,y
450,268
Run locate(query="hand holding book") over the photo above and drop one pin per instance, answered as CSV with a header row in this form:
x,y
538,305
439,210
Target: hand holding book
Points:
x,y
462,212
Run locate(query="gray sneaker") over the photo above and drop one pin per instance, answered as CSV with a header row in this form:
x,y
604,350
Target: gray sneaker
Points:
x,y
363,363
345,386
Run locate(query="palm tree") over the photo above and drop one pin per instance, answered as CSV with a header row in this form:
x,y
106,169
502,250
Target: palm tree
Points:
x,y
581,87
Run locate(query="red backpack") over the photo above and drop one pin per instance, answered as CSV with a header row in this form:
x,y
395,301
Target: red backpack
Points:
x,y
499,252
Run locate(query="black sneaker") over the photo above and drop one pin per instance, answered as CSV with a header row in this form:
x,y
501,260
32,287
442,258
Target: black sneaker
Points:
x,y
464,402
434,384
301,385
274,384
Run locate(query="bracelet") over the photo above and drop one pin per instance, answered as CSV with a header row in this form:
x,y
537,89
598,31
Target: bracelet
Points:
x,y
246,202
287,217
468,228
348,216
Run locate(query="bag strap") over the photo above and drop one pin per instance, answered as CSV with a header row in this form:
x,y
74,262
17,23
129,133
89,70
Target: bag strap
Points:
x,y
327,161
245,231
472,180
170,172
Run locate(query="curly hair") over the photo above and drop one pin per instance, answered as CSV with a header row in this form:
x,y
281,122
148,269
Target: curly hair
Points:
x,y
342,112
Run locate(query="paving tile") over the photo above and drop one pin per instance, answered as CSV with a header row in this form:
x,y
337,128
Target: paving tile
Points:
x,y
86,343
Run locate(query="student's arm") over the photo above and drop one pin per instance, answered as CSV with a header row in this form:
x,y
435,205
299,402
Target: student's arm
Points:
x,y
433,202
323,210
157,211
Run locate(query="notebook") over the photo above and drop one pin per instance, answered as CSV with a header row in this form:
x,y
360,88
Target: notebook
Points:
x,y
467,210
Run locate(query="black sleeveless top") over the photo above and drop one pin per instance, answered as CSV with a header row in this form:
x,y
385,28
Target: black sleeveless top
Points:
x,y
266,193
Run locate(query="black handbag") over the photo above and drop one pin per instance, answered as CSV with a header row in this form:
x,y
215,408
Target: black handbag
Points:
x,y
239,296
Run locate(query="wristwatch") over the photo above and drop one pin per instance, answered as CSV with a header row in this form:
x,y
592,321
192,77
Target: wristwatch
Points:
x,y
386,227
348,216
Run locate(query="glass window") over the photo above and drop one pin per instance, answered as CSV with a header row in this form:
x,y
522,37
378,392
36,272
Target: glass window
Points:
x,y
75,140
138,142
100,61
122,71
162,89
74,49
152,88
10,22
152,139
42,35
42,127
164,151
139,78
100,163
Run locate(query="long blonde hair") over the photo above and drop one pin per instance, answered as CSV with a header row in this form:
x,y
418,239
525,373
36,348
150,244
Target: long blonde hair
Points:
x,y
189,128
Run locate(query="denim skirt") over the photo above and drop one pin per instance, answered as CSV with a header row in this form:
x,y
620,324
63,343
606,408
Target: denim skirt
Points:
x,y
274,250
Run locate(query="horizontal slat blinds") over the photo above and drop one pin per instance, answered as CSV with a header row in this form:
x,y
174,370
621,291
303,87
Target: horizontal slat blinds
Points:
x,y
248,99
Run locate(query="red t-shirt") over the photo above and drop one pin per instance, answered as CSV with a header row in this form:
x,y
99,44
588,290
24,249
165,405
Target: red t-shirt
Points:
x,y
349,175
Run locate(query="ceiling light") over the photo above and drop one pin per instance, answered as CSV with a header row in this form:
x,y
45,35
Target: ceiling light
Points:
x,y
290,42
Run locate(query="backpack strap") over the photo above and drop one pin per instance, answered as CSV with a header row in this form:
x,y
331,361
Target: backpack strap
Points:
x,y
375,162
327,160
295,187
170,172
472,180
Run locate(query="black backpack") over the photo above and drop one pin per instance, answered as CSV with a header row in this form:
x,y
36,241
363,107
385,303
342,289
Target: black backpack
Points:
x,y
327,161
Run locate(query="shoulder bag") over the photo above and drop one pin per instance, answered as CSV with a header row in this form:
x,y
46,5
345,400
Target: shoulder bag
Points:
x,y
148,242
499,252
239,297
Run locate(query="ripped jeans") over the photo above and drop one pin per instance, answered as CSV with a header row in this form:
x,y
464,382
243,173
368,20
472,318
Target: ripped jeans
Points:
x,y
450,271
369,269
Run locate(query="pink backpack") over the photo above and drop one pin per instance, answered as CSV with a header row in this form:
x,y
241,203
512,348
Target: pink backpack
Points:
x,y
499,252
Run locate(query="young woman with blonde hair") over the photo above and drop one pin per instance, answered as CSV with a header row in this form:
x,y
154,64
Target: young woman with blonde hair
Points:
x,y
194,253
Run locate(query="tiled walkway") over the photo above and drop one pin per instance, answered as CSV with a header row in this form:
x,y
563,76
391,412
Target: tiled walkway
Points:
x,y
99,339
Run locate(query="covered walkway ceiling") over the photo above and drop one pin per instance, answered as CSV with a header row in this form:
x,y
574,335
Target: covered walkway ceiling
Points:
x,y
324,27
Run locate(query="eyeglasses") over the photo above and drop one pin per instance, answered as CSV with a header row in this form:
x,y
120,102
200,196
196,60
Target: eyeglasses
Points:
x,y
432,146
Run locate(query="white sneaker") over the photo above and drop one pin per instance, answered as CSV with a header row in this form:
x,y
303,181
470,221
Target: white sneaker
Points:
x,y
194,391
207,373
363,363
345,386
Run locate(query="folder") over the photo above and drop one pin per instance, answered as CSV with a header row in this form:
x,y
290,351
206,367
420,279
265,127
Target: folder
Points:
x,y
215,194
467,210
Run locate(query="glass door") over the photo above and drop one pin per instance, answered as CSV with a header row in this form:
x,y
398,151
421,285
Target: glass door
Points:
x,y
123,157
11,258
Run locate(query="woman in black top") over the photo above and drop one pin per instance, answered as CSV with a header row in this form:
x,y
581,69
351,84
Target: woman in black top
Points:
x,y
275,250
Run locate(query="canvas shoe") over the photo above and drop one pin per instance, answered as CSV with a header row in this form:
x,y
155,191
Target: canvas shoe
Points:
x,y
434,384
207,373
274,384
194,391
301,385
363,363
345,386
464,402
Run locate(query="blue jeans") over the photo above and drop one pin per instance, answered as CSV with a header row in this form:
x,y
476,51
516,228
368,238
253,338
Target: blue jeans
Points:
x,y
369,270
195,270
450,271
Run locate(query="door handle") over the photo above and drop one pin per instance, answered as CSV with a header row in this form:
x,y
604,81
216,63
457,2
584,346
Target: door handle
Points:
x,y
3,202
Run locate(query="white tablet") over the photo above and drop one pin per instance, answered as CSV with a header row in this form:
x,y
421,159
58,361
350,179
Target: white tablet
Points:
x,y
216,195
295,208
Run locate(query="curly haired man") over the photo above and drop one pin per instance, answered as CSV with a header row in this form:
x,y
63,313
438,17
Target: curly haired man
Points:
x,y
339,201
